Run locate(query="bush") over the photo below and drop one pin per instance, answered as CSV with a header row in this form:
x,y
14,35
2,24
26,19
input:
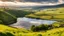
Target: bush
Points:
x,y
9,34
43,27
2,34
33,27
39,28
39,35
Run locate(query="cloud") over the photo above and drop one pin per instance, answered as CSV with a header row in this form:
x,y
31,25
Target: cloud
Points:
x,y
33,0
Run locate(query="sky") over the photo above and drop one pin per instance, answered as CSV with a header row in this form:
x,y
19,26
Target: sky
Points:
x,y
27,4
33,0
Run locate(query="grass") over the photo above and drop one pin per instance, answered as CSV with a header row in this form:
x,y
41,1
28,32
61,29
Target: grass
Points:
x,y
22,32
12,30
6,28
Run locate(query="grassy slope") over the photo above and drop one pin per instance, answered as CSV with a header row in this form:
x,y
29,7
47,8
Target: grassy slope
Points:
x,y
55,32
54,14
9,16
6,17
14,31
23,32
18,13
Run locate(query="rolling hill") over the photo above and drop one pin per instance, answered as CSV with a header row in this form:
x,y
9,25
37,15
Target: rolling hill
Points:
x,y
50,14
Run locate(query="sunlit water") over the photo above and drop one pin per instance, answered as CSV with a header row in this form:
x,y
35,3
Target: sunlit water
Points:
x,y
28,22
38,21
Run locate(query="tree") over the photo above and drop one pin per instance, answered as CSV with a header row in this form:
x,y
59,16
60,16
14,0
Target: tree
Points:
x,y
43,27
33,27
39,28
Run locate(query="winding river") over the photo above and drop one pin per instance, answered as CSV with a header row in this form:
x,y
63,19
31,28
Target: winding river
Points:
x,y
28,22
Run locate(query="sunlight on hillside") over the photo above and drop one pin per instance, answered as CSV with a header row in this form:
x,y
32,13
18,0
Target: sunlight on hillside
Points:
x,y
50,14
17,32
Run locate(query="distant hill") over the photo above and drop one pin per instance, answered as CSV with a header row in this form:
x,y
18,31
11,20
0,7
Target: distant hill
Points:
x,y
61,5
46,7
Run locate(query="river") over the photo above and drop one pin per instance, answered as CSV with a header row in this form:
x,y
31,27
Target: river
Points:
x,y
28,22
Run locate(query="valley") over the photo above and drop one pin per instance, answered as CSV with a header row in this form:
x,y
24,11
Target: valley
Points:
x,y
44,22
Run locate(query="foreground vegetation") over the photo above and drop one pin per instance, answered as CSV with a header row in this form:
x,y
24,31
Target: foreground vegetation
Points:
x,y
10,31
4,30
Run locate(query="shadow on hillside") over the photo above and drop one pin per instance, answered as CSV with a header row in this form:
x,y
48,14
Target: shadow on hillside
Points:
x,y
6,34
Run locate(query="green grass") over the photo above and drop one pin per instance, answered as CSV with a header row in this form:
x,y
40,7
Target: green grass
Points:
x,y
15,31
12,29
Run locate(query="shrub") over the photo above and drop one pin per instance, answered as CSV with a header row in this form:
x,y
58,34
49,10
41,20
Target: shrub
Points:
x,y
2,34
9,34
33,27
39,35
39,28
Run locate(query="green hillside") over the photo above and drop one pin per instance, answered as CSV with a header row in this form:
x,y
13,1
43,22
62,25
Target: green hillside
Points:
x,y
9,16
10,31
50,14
